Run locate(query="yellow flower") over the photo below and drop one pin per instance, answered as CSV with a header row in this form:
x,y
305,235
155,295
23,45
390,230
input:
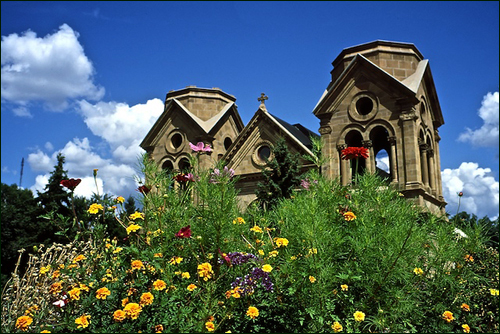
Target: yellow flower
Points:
x,y
186,275
494,292
448,316
418,271
466,328
119,315
23,322
56,288
205,271
337,327
132,310
465,307
79,258
133,228
239,220
83,321
94,208
175,260
102,293
158,328
267,268
44,270
125,301
56,274
344,287
117,250
191,287
159,285
210,326
261,252
74,293
253,312
359,316
147,298
349,216
281,242
312,279
158,255
137,265
136,215
273,253
256,229
45,331
120,199
468,258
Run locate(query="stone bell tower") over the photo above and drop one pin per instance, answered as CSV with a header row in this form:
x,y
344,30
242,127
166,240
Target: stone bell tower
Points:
x,y
382,97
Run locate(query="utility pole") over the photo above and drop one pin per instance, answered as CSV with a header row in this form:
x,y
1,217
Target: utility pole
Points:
x,y
21,178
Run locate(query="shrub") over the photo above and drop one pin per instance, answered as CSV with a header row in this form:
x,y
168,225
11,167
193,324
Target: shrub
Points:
x,y
329,258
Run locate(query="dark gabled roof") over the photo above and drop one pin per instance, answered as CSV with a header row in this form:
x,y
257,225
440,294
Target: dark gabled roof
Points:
x,y
298,131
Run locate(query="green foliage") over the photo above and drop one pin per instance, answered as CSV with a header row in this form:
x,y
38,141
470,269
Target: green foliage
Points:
x,y
362,257
281,176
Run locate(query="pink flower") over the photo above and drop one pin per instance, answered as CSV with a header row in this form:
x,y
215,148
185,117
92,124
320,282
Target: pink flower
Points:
x,y
200,147
184,232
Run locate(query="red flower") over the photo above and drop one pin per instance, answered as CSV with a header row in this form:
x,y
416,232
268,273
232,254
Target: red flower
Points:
x,y
71,183
184,232
354,153
144,190
184,177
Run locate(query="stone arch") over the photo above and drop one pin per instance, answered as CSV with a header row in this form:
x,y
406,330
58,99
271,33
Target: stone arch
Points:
x,y
167,164
382,139
183,164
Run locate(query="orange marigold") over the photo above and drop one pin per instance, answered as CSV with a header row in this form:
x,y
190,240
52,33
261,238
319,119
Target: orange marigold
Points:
x,y
102,293
23,322
132,310
147,298
119,315
448,316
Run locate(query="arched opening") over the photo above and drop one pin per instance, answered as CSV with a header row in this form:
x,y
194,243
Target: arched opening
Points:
x,y
184,165
227,143
167,166
176,140
357,166
379,137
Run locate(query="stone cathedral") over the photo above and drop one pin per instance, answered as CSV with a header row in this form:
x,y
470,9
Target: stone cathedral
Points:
x,y
381,96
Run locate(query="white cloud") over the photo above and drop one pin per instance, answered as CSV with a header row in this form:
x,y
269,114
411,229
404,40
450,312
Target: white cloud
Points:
x,y
487,134
479,187
48,146
51,69
22,111
382,161
80,161
122,126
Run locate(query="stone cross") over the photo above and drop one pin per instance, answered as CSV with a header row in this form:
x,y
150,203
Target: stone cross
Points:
x,y
262,98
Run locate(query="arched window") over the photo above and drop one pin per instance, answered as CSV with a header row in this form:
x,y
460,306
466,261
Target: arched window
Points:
x,y
354,139
184,165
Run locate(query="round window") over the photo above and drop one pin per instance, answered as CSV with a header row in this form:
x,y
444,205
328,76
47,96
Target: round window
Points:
x,y
264,152
364,105
227,143
176,140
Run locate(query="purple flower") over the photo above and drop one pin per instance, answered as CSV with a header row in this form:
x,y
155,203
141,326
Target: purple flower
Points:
x,y
200,147
305,184
248,284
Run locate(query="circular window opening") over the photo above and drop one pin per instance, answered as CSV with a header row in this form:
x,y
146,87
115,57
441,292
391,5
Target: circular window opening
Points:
x,y
264,152
364,105
176,140
227,143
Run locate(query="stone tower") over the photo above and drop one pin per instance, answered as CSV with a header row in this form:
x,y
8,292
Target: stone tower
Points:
x,y
193,115
382,97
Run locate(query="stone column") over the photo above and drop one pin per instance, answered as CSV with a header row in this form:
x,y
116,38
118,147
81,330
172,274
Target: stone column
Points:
x,y
344,167
370,162
424,163
437,162
329,169
411,156
393,159
432,171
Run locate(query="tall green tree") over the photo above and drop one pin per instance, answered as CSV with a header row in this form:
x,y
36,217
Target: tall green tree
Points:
x,y
21,227
55,198
281,176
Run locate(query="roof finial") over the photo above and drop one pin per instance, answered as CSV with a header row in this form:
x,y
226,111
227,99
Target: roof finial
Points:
x,y
262,98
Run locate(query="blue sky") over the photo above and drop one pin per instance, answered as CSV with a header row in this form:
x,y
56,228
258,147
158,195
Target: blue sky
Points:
x,y
89,78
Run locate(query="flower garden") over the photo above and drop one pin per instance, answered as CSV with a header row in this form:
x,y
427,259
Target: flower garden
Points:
x,y
331,258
